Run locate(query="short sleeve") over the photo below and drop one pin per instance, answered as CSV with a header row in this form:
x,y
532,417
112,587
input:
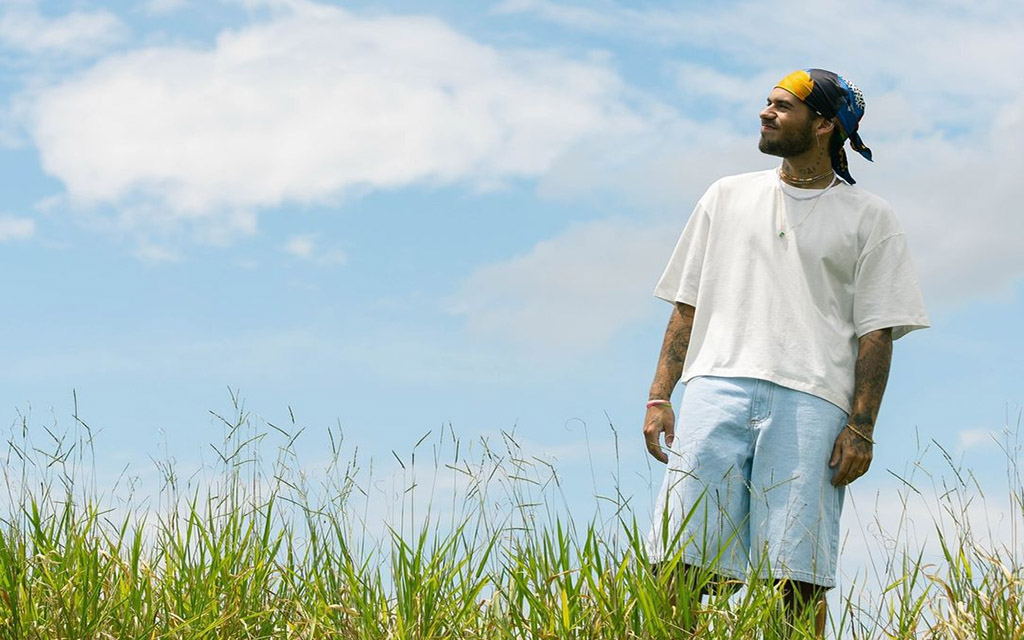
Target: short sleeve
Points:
x,y
681,280
886,290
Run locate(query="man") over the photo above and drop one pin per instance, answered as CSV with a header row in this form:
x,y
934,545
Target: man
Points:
x,y
788,286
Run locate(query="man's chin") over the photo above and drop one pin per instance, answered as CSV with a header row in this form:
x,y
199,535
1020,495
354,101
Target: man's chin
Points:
x,y
766,147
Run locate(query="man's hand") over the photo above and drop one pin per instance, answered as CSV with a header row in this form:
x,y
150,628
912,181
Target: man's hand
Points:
x,y
659,419
851,457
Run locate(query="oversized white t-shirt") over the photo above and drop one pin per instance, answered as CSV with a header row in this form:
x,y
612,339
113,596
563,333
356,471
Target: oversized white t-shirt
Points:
x,y
790,307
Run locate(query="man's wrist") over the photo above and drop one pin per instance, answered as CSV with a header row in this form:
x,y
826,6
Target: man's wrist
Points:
x,y
863,421
862,425
857,432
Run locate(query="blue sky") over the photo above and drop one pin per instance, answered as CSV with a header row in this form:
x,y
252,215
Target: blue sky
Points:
x,y
395,216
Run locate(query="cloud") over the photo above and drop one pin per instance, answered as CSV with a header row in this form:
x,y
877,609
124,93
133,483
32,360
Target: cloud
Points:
x,y
154,253
300,247
13,228
957,199
305,248
79,33
972,438
577,16
160,7
571,292
309,105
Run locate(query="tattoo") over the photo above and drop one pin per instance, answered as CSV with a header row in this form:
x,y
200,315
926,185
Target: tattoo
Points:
x,y
675,349
812,170
861,448
673,352
871,374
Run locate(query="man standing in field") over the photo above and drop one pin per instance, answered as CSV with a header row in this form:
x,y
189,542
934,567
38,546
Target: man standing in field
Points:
x,y
788,286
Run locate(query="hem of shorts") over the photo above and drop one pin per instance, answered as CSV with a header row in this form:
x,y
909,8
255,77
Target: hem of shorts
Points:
x,y
732,572
827,395
728,572
802,576
700,561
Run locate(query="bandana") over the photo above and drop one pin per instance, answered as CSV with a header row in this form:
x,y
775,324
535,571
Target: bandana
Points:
x,y
834,97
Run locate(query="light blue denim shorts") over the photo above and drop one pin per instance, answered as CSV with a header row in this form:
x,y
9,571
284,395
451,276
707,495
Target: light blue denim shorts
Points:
x,y
748,490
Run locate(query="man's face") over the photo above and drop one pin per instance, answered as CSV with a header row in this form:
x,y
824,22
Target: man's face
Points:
x,y
787,125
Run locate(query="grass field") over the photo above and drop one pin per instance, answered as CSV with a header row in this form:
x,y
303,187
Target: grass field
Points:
x,y
475,544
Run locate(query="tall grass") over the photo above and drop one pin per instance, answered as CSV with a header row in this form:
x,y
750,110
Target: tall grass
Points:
x,y
476,542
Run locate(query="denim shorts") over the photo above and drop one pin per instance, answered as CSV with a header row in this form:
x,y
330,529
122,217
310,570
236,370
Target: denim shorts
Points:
x,y
748,490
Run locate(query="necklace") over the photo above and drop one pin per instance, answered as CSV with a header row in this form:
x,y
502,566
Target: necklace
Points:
x,y
794,180
780,207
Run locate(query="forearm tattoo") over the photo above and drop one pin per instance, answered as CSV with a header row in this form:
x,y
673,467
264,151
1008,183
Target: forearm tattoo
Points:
x,y
673,352
871,374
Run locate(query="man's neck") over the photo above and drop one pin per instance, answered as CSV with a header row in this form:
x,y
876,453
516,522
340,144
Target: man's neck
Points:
x,y
809,170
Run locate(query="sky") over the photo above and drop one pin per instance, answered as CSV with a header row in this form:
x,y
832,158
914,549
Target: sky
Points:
x,y
391,218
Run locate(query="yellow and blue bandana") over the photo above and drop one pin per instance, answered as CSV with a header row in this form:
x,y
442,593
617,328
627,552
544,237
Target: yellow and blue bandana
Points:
x,y
836,98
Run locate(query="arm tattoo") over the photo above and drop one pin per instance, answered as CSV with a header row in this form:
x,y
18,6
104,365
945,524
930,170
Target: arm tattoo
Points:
x,y
870,376
673,352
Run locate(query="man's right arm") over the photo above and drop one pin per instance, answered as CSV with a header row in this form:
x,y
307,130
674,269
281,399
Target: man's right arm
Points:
x,y
661,418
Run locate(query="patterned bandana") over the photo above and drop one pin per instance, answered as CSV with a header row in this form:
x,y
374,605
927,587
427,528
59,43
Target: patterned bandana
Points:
x,y
834,97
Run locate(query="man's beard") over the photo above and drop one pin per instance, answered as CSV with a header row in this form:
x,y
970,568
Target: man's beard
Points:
x,y
788,146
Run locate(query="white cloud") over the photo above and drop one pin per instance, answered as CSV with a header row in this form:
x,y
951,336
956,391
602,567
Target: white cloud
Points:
x,y
311,104
300,246
165,6
571,292
577,16
14,228
154,253
711,84
971,438
664,172
958,200
305,247
333,256
78,33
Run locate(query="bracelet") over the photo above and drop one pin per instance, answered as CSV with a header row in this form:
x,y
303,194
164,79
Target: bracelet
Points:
x,y
659,403
862,436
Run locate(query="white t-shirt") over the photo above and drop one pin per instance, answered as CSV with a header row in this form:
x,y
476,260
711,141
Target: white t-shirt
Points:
x,y
790,308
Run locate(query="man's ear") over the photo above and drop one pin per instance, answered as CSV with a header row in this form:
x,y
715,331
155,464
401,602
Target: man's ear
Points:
x,y
825,125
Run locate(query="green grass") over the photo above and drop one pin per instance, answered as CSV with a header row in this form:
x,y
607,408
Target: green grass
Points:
x,y
476,543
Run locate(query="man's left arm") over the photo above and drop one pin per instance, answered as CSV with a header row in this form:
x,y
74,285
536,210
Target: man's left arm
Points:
x,y
852,452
